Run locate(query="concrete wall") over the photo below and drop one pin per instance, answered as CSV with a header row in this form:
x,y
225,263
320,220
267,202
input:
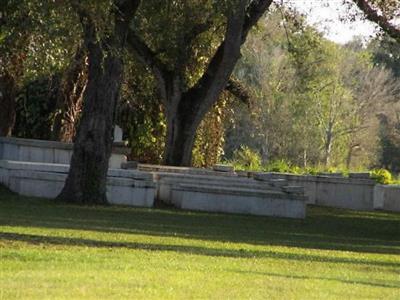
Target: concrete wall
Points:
x,y
238,200
127,187
349,193
387,197
183,170
167,181
215,192
132,187
30,150
333,191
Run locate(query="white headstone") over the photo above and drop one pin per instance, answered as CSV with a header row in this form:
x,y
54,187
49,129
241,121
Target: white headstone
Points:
x,y
117,134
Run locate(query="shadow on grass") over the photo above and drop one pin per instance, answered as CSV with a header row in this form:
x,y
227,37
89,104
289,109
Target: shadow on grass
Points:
x,y
194,250
395,285
333,229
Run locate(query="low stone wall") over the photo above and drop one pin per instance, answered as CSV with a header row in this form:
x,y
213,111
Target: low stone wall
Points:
x,y
167,181
333,191
183,170
39,168
30,150
127,187
387,197
239,200
214,191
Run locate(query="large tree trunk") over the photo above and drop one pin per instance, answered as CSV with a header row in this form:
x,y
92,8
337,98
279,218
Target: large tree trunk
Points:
x,y
87,177
8,87
181,132
86,182
69,98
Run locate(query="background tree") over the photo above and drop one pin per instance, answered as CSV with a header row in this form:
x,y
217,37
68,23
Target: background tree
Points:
x,y
36,41
186,93
316,101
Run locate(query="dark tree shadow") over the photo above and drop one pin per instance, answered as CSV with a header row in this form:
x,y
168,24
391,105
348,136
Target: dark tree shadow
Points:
x,y
194,250
387,284
333,229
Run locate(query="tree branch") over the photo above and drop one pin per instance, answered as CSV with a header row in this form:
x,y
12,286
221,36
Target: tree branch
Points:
x,y
221,65
146,55
254,12
124,12
186,44
372,15
149,58
237,89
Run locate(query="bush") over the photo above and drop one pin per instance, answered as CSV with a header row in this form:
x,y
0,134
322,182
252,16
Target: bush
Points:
x,y
280,166
382,176
246,159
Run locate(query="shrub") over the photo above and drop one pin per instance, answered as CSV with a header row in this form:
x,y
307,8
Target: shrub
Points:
x,y
280,166
382,176
246,159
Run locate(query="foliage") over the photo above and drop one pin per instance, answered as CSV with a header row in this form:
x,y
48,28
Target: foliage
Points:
x,y
140,115
316,102
386,52
209,143
389,135
167,26
35,108
278,166
245,158
382,176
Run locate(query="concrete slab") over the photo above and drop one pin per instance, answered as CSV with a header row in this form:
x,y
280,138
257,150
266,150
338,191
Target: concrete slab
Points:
x,y
240,201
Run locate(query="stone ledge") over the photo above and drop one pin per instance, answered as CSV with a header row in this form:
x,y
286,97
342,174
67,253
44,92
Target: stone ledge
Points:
x,y
63,169
36,143
223,168
38,180
183,170
237,191
118,147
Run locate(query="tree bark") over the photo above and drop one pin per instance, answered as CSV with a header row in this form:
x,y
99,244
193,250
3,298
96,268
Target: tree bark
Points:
x,y
86,182
329,136
87,177
373,15
181,132
185,110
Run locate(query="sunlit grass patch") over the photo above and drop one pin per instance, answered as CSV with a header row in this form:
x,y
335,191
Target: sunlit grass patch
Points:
x,y
60,251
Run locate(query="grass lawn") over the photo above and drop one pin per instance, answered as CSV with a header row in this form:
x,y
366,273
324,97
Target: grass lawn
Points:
x,y
57,251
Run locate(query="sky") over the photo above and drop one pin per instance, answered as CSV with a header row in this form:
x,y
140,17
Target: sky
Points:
x,y
327,18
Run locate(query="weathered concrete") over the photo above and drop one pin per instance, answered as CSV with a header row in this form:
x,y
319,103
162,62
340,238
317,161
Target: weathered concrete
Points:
x,y
307,181
334,191
362,175
129,165
213,193
128,187
183,170
223,168
387,197
30,150
166,181
238,200
352,193
232,194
